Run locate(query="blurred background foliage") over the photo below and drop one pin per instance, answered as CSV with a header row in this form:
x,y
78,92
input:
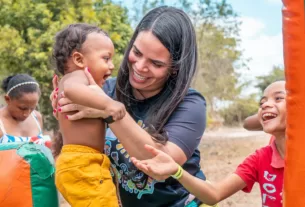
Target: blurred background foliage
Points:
x,y
28,28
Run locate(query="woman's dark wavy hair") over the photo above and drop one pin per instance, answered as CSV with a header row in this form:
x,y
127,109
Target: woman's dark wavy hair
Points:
x,y
69,39
175,31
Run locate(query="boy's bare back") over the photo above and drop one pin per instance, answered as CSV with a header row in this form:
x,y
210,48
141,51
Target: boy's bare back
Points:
x,y
87,132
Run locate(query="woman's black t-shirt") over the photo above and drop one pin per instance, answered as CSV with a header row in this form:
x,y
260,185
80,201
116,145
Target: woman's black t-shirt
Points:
x,y
185,128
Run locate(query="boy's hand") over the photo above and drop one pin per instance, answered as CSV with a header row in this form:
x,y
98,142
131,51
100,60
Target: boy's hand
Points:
x,y
115,109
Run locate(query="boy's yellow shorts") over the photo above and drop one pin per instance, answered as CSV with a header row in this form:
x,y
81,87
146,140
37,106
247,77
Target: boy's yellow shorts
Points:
x,y
83,177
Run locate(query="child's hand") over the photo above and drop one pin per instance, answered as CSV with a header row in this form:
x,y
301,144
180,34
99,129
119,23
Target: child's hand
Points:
x,y
115,109
160,167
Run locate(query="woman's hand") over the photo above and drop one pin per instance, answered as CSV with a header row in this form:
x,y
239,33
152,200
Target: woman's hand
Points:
x,y
54,95
81,111
160,167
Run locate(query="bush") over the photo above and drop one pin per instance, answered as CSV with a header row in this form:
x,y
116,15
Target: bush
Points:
x,y
240,109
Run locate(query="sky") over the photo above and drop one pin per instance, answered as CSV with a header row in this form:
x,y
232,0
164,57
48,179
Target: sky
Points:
x,y
261,35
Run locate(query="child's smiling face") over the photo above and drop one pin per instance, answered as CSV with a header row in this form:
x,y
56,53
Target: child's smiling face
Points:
x,y
98,51
272,111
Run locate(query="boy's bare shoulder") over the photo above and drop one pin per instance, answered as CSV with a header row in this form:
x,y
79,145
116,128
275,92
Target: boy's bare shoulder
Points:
x,y
77,76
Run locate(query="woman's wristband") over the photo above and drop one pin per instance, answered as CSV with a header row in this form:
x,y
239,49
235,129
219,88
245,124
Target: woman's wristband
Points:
x,y
178,174
108,120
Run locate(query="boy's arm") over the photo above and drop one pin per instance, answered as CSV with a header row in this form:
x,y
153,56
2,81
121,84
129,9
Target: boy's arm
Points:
x,y
212,193
243,179
252,123
162,166
76,89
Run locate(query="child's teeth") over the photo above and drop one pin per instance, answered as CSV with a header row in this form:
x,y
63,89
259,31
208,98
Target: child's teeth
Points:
x,y
269,115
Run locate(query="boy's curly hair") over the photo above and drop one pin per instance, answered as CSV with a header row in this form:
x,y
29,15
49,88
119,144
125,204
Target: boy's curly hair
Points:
x,y
69,39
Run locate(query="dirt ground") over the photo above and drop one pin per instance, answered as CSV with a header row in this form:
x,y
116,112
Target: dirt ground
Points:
x,y
221,152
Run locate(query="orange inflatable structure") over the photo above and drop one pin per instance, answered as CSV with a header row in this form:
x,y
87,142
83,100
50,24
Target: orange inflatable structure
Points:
x,y
27,176
294,58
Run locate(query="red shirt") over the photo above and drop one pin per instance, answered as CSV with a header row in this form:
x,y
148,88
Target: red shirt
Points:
x,y
266,167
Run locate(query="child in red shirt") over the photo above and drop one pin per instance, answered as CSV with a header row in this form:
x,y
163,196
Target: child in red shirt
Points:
x,y
265,166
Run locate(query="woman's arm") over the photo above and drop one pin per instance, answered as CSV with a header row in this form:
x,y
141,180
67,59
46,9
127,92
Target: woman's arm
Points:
x,y
185,130
162,166
133,138
130,134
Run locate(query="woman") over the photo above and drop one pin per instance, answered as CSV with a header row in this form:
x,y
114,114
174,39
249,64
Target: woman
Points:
x,y
153,83
25,167
19,121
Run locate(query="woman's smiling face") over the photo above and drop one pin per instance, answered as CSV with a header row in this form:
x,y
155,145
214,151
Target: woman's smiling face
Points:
x,y
149,62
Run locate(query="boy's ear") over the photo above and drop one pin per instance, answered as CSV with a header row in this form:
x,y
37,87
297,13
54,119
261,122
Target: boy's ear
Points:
x,y
7,99
78,59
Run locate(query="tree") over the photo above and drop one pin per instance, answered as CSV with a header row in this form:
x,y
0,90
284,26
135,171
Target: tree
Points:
x,y
217,77
203,11
277,73
217,39
28,28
